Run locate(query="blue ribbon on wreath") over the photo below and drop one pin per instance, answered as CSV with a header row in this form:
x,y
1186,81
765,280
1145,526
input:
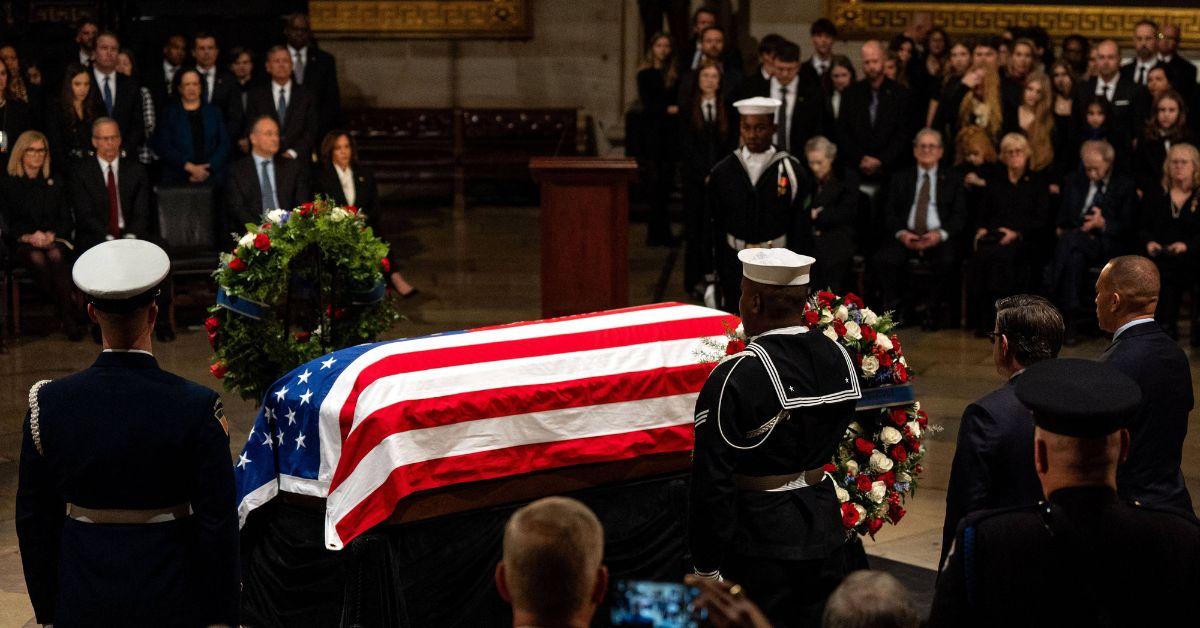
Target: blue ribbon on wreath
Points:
x,y
240,305
374,295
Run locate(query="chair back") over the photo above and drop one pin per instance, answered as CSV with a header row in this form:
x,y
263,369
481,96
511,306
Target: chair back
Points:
x,y
185,217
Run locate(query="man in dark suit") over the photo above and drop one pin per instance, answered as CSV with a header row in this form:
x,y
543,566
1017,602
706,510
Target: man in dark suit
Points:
x,y
264,180
1122,92
1145,53
925,210
316,70
111,193
712,43
874,121
823,33
1180,71
1126,297
802,114
159,77
758,82
117,95
217,86
1081,557
993,461
691,53
81,50
289,104
1096,220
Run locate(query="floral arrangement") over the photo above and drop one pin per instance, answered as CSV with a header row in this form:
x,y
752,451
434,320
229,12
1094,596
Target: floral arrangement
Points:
x,y
248,329
879,460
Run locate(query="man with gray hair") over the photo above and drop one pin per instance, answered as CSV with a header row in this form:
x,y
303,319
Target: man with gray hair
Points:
x,y
924,211
551,571
993,459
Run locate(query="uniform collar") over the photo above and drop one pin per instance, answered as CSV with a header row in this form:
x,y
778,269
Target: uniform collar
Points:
x,y
126,359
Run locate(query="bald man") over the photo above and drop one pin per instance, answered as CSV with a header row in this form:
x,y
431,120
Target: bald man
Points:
x,y
874,120
1124,94
1126,297
551,571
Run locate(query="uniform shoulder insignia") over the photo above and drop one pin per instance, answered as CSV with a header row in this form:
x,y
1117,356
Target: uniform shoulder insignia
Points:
x,y
219,415
35,426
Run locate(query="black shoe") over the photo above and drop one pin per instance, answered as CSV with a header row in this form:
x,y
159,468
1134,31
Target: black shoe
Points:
x,y
410,294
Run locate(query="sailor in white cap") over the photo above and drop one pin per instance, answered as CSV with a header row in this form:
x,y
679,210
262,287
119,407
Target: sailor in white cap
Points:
x,y
762,512
757,198
125,507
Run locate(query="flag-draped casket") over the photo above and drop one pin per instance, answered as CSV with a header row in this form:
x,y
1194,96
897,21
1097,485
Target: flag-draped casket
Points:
x,y
368,426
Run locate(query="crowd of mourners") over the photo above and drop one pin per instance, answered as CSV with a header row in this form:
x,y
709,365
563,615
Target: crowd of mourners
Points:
x,y
1038,160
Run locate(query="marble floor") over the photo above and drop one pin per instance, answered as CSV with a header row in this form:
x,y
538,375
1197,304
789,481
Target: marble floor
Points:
x,y
479,266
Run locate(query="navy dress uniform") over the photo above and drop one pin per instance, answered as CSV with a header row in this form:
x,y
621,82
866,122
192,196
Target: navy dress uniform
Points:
x,y
125,506
756,200
762,512
1083,557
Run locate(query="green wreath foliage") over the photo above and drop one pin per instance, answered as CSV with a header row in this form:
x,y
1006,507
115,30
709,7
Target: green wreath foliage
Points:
x,y
249,353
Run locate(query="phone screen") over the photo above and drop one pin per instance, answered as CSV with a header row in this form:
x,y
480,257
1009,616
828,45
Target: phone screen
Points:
x,y
654,604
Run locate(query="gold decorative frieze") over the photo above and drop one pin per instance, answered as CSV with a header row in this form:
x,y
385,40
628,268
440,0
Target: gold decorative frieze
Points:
x,y
867,18
430,19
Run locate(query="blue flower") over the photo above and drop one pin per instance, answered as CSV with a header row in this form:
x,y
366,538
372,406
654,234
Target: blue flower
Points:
x,y
902,487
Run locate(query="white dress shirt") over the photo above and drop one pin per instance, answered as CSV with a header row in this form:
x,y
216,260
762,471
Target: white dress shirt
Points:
x,y
1107,89
835,103
286,88
116,171
932,220
708,109
84,59
346,178
777,92
821,65
1141,69
1132,323
112,83
755,163
169,72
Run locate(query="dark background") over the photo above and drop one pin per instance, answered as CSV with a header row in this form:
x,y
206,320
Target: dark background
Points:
x,y
1169,4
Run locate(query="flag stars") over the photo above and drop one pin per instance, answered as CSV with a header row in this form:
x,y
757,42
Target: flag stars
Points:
x,y
269,441
243,460
328,364
305,397
250,435
299,441
279,394
291,416
278,437
304,376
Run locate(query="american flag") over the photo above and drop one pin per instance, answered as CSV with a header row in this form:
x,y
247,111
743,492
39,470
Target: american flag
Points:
x,y
366,426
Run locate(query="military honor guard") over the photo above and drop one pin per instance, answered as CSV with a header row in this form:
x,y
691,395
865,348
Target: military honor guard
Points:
x,y
763,513
1082,557
757,198
125,508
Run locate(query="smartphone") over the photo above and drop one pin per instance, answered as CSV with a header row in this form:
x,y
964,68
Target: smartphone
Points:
x,y
654,605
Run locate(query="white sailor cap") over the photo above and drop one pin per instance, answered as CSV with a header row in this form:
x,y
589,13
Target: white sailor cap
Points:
x,y
776,267
120,275
757,106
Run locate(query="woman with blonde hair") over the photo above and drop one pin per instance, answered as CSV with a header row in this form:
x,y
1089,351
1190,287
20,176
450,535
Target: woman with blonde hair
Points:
x,y
37,213
1035,118
981,106
1170,236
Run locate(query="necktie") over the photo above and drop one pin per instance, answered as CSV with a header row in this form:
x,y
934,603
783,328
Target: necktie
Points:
x,y
921,219
282,105
821,67
299,68
114,212
206,88
268,190
873,108
108,96
1141,76
782,139
709,114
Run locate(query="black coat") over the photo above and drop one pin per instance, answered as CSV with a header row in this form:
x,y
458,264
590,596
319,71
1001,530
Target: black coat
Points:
x,y
993,460
833,228
1159,225
127,110
125,434
1023,206
15,119
243,194
1119,209
225,97
951,201
1151,358
161,89
889,140
1083,564
366,198
321,82
89,194
808,74
1126,101
662,128
762,211
808,114
36,205
70,138
1148,160
299,132
1182,74
702,147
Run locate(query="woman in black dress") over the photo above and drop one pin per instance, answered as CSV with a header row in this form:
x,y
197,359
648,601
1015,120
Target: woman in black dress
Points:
x,y
658,90
347,182
709,134
1166,128
1170,236
833,210
70,121
41,224
14,114
1014,208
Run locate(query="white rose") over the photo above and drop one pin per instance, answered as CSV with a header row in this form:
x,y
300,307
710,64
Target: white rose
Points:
x,y
880,463
916,406
247,240
904,362
826,316
883,342
868,317
890,436
903,477
276,215
862,513
853,331
870,365
878,492
843,495
841,313
915,428
338,214
851,467
830,334
740,332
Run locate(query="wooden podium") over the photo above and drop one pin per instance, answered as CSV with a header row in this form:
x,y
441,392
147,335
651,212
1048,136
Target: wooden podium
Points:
x,y
585,232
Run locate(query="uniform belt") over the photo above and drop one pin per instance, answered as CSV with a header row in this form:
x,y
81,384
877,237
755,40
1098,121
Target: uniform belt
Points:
x,y
775,483
738,244
123,515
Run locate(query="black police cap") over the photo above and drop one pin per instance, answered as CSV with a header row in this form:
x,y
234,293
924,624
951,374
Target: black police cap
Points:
x,y
1075,397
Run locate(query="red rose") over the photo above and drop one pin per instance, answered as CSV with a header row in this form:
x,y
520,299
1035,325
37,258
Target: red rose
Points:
x,y
849,515
868,334
218,370
895,513
306,208
237,265
735,346
262,241
266,225
864,446
864,483
825,297
888,478
387,266
885,358
352,209
811,317
899,417
873,525
303,336
829,468
900,374
339,313
896,344
212,339
854,299
212,323
922,418
899,454
839,327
